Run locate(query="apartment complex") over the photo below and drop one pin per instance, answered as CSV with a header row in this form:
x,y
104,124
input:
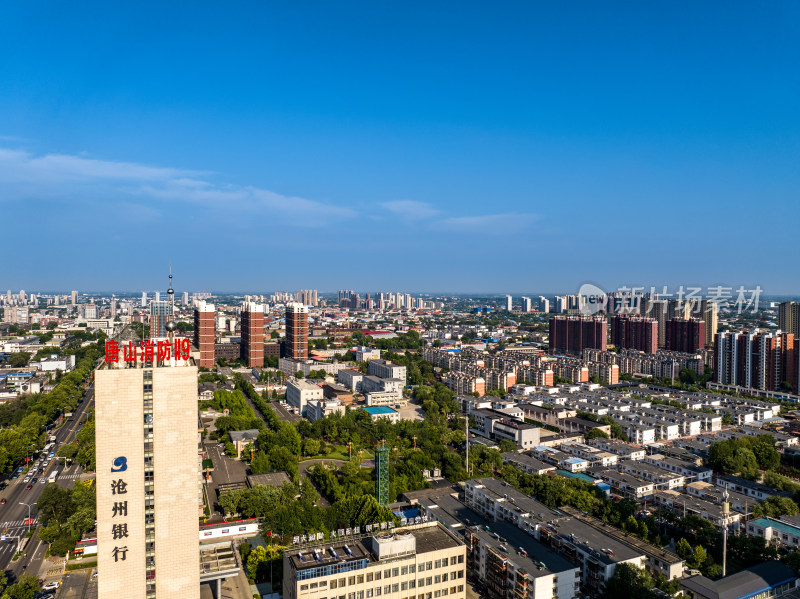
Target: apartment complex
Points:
x,y
205,333
789,318
297,332
757,359
424,561
573,334
253,334
159,313
685,335
634,332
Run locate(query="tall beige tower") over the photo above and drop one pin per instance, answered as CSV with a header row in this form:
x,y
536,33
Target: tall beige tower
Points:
x,y
147,473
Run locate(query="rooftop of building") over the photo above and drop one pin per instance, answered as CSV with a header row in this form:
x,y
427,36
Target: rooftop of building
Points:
x,y
379,410
747,583
429,537
248,435
269,479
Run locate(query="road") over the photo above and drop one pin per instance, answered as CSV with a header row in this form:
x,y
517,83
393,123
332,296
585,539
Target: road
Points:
x,y
13,514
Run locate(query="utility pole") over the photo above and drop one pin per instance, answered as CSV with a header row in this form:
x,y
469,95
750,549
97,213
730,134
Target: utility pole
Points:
x,y
466,431
725,511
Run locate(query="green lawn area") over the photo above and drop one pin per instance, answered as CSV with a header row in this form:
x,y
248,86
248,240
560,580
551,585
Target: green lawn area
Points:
x,y
339,452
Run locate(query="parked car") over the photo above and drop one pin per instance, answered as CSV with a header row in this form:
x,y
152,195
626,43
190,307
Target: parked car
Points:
x,y
3,501
29,487
51,586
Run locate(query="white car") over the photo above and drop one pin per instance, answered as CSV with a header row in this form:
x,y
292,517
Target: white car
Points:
x,y
51,586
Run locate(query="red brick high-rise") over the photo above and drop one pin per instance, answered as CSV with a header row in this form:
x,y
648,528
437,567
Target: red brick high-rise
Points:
x,y
297,332
573,334
685,335
634,332
205,332
253,334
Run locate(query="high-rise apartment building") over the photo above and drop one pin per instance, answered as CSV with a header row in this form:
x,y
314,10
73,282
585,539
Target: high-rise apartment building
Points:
x,y
789,318
527,304
657,310
253,334
204,332
144,299
685,335
634,332
307,297
160,312
544,304
297,332
573,334
509,302
74,298
756,359
147,477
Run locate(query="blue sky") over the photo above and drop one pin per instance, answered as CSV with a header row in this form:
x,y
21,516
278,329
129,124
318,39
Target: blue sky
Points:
x,y
439,146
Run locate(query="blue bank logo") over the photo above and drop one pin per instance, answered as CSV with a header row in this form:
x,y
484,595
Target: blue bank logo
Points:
x,y
120,464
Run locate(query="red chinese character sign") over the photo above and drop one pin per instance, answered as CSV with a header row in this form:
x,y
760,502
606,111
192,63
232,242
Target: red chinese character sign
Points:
x,y
147,351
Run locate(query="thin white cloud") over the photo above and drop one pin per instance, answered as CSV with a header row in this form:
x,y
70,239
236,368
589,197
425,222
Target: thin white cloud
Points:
x,y
61,175
510,222
411,209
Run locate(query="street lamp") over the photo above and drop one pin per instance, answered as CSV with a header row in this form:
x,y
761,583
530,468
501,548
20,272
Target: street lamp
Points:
x,y
29,513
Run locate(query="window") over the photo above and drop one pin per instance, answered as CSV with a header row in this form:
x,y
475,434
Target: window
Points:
x,y
444,577
461,573
437,563
412,568
342,583
377,575
351,580
453,561
369,593
444,592
403,586
324,583
429,566
395,588
460,588
369,577
303,587
413,583
404,570
429,581
333,584
395,571
387,589
460,559
314,585
437,579
377,591
421,568
360,579
437,594
387,573
421,582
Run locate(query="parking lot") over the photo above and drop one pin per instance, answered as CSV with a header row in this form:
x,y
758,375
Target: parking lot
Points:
x,y
78,585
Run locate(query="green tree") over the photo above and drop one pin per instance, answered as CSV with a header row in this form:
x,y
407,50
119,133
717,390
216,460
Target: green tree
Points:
x,y
55,503
683,548
19,359
596,433
699,557
776,506
25,588
630,582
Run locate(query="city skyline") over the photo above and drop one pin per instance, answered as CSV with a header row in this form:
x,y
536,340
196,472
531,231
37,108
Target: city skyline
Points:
x,y
540,146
